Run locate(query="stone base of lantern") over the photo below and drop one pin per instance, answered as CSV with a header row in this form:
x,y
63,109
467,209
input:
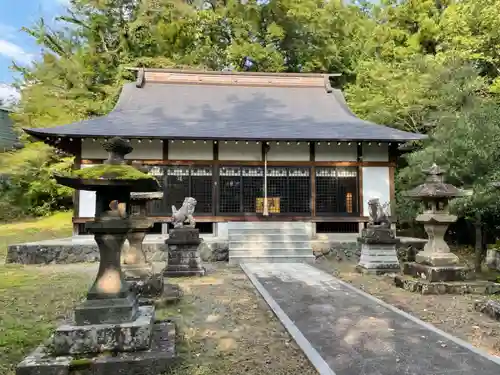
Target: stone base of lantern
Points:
x,y
97,338
437,259
103,311
135,272
435,273
184,257
159,357
414,285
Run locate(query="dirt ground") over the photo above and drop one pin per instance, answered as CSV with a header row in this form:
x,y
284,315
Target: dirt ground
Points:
x,y
227,328
453,314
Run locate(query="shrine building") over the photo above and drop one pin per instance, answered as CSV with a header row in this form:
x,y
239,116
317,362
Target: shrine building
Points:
x,y
232,139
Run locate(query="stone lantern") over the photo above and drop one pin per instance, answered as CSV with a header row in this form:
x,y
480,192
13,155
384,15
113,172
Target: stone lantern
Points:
x,y
436,262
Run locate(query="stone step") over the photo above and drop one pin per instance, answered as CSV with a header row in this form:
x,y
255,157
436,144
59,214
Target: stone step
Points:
x,y
286,237
270,259
267,225
266,252
257,245
265,231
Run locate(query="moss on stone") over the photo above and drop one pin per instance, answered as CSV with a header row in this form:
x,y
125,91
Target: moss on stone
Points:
x,y
109,171
81,362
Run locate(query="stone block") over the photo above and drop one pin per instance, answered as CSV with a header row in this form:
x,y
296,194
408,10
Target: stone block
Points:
x,y
434,274
98,338
133,272
106,311
489,307
184,236
378,258
159,358
171,293
437,259
149,287
443,287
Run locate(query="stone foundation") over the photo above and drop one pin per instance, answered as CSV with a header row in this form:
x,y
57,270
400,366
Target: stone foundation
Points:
x,y
445,287
158,359
63,251
433,274
66,251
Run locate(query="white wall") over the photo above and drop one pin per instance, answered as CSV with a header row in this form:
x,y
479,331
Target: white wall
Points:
x,y
374,152
188,150
86,202
376,184
288,151
326,151
251,151
143,149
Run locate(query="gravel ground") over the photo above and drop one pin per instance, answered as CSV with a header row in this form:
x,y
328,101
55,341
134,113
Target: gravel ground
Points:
x,y
453,314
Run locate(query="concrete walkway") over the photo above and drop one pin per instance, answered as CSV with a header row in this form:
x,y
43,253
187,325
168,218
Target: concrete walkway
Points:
x,y
345,331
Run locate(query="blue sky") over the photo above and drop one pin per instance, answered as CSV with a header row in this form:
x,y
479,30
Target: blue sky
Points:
x,y
14,44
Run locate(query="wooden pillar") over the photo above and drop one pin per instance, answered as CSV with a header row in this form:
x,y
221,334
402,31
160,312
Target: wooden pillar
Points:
x,y
393,156
312,157
164,149
215,178
360,178
77,163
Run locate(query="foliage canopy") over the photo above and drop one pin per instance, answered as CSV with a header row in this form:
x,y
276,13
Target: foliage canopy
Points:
x,y
427,66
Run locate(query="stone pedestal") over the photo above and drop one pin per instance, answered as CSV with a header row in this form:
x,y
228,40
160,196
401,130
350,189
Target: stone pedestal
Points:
x,y
183,253
378,251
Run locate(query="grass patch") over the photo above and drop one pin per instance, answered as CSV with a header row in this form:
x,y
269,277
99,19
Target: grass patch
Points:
x,y
33,299
32,302
46,228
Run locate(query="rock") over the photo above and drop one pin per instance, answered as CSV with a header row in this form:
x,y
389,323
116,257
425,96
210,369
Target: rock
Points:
x,y
205,252
489,307
220,252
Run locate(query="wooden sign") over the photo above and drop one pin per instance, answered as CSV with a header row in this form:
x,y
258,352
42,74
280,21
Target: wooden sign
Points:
x,y
273,205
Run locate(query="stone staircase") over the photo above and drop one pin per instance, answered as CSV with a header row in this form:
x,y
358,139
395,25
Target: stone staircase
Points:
x,y
269,242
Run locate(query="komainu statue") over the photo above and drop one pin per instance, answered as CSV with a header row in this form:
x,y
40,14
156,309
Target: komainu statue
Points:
x,y
183,217
379,214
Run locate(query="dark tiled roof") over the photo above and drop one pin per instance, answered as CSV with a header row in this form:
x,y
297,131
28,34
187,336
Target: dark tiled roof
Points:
x,y
196,111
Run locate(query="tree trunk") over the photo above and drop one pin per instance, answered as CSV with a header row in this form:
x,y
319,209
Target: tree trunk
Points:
x,y
478,244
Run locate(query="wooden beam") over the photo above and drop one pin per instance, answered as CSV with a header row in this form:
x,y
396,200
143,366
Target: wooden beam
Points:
x,y
251,217
360,177
258,163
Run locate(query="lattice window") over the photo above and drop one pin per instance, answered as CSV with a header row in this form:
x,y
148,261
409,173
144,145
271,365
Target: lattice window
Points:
x,y
179,182
177,185
299,193
336,190
239,193
252,186
229,190
201,188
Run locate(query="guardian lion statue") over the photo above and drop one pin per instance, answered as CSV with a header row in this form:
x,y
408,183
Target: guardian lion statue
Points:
x,y
183,217
379,215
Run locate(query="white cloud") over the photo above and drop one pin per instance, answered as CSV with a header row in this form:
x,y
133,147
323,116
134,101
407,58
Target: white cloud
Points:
x,y
8,93
15,52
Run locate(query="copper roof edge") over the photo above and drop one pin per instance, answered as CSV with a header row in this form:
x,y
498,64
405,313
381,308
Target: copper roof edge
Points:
x,y
218,72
